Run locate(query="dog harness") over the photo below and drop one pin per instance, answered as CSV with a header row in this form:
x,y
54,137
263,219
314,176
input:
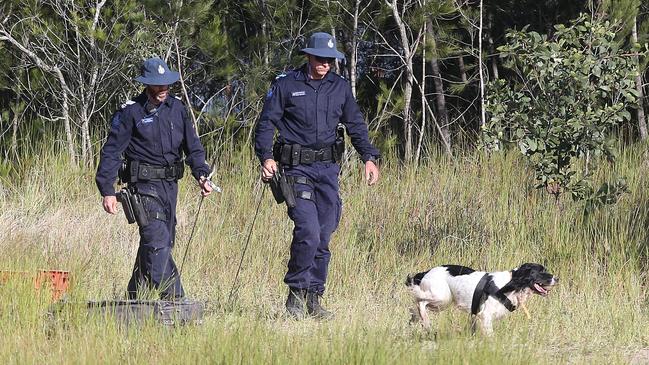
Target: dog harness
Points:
x,y
486,287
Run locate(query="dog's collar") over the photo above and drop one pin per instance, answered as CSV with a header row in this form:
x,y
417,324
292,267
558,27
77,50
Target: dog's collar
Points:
x,y
486,287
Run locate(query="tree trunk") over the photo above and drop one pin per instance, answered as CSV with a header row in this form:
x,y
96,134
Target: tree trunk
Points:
x,y
407,91
442,121
353,60
66,116
422,88
460,65
491,48
407,119
440,101
483,116
87,98
83,103
14,129
264,31
264,34
337,61
85,138
642,125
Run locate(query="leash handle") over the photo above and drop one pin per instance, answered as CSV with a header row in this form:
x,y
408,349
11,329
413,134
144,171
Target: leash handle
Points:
x,y
215,188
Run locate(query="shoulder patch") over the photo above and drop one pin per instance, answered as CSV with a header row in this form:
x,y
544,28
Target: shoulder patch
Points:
x,y
130,102
283,74
116,121
271,91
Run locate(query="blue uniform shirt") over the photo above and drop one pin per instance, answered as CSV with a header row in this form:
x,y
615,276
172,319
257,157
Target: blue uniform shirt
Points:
x,y
158,138
307,113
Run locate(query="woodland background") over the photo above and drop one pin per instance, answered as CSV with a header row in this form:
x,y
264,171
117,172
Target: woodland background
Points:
x,y
418,68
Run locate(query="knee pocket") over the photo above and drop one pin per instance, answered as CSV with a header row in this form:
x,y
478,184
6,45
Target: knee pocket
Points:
x,y
155,235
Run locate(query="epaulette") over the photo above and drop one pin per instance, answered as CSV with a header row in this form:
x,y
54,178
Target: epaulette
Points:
x,y
341,76
130,102
178,97
283,74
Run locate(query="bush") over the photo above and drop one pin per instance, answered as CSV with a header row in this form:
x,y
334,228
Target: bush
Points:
x,y
570,91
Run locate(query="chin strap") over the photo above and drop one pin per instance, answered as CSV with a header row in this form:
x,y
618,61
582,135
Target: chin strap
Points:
x,y
485,288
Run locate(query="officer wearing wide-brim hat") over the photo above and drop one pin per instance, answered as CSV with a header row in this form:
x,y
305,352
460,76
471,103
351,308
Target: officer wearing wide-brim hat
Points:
x,y
322,45
152,134
154,71
306,105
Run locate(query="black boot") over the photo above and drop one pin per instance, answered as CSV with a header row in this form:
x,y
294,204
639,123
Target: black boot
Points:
x,y
295,303
315,309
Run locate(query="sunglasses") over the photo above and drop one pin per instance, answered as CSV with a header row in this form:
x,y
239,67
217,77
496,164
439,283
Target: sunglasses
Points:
x,y
328,60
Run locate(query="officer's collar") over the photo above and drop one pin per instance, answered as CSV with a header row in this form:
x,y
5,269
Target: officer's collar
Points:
x,y
304,74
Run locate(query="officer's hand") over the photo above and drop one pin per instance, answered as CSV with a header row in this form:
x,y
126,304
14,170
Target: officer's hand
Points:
x,y
371,173
206,187
268,169
110,204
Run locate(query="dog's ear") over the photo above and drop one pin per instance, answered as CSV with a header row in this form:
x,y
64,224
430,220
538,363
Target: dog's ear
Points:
x,y
522,276
530,267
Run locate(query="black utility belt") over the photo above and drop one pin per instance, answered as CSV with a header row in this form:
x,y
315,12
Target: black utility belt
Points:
x,y
134,171
295,154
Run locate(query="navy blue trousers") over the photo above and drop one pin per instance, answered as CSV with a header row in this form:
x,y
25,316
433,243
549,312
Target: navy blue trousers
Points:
x,y
315,220
154,267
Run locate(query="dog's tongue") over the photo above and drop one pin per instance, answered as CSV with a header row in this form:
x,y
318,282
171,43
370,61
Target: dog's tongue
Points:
x,y
540,289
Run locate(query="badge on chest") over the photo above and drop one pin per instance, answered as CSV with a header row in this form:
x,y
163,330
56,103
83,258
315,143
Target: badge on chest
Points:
x,y
146,120
298,93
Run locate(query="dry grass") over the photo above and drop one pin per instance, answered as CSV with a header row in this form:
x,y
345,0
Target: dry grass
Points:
x,y
476,211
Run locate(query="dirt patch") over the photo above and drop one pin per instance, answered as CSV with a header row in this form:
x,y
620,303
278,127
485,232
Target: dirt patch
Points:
x,y
640,358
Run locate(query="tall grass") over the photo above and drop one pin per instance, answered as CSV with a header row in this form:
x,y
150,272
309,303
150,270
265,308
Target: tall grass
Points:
x,y
480,211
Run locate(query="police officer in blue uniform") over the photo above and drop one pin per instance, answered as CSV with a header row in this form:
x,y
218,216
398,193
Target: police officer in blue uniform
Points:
x,y
148,140
306,105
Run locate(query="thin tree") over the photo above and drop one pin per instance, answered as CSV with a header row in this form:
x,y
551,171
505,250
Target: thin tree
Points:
x,y
642,124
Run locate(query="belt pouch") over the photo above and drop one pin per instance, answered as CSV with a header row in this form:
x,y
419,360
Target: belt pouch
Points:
x,y
296,150
133,171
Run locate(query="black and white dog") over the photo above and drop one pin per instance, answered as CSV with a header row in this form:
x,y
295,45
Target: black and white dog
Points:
x,y
486,295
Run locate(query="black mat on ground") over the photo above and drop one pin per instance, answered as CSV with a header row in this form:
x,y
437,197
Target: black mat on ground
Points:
x,y
129,312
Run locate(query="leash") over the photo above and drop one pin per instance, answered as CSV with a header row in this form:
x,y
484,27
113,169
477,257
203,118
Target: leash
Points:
x,y
216,189
191,235
479,295
245,247
485,288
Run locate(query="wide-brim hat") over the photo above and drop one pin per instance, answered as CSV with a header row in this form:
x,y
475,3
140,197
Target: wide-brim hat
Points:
x,y
322,45
155,71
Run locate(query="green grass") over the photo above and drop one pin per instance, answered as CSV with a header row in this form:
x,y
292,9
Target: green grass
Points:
x,y
479,211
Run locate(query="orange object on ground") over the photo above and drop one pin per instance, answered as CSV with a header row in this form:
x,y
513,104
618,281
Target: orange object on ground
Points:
x,y
57,281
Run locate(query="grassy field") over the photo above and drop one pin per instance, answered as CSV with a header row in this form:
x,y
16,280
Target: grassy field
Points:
x,y
477,211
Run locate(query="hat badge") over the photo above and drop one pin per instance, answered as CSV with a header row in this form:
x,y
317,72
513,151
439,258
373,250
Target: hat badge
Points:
x,y
161,69
330,44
